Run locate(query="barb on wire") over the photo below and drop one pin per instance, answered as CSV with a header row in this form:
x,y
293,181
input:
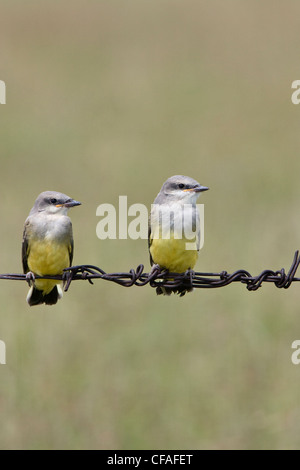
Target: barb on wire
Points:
x,y
158,278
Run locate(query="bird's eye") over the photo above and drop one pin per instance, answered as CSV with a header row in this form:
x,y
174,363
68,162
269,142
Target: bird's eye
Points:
x,y
53,200
181,186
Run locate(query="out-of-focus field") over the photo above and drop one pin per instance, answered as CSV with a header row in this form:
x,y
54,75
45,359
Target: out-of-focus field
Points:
x,y
111,98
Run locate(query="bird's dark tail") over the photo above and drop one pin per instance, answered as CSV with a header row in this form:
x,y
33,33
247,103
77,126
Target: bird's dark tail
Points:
x,y
181,290
37,297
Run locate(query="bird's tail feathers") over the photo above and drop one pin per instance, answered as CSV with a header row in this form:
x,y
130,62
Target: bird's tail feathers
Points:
x,y
181,291
37,297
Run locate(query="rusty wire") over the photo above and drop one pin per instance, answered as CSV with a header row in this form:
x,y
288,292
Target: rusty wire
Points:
x,y
158,278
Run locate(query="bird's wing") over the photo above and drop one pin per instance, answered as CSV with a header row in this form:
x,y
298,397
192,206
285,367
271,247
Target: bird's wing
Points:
x,y
25,249
150,242
71,250
196,227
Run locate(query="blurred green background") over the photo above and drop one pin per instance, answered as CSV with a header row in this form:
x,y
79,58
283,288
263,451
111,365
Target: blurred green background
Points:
x,y
109,98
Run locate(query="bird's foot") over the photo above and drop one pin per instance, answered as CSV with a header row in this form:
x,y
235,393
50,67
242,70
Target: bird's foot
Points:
x,y
189,274
30,278
67,279
155,269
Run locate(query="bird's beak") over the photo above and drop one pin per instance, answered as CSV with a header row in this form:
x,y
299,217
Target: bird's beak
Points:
x,y
70,203
197,189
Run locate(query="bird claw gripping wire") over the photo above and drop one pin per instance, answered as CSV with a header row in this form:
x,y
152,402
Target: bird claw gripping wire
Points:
x,y
30,278
67,278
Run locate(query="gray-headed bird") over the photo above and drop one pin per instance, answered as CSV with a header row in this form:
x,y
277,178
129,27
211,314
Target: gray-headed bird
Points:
x,y
174,228
47,247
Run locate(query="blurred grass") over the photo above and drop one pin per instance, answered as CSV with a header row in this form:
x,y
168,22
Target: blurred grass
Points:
x,y
111,98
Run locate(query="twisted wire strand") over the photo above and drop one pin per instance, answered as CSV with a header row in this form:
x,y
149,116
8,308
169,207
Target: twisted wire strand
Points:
x,y
162,278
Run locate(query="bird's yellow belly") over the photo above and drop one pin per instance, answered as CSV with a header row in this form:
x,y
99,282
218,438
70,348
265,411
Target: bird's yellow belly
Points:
x,y
173,255
47,258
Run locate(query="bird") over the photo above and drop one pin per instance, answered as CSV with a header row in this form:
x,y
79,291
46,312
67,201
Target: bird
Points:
x,y
174,229
47,247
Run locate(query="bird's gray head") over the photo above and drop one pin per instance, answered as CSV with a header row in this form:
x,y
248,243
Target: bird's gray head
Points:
x,y
52,202
181,189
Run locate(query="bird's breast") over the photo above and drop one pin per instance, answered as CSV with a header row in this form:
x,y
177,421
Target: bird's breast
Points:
x,y
48,257
173,254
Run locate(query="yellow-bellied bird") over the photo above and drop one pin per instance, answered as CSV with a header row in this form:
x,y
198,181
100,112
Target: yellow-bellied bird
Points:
x,y
47,247
174,228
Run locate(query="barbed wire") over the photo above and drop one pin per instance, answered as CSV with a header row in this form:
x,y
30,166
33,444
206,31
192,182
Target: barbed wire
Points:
x,y
159,278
